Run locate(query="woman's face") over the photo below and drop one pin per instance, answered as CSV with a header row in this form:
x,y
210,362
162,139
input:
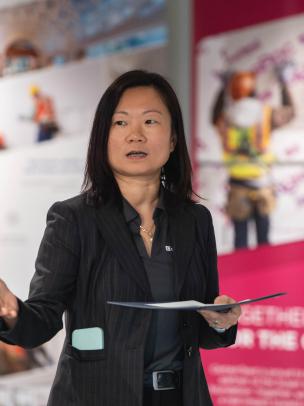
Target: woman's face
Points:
x,y
140,138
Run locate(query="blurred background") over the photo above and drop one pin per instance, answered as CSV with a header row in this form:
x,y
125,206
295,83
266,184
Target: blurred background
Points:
x,y
238,70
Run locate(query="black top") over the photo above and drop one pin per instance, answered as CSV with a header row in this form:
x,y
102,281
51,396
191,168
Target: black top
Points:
x,y
163,348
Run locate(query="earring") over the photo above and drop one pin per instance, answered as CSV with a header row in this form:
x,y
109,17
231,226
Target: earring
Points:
x,y
162,175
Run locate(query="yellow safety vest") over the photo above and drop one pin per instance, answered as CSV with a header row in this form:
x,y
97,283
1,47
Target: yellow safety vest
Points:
x,y
245,149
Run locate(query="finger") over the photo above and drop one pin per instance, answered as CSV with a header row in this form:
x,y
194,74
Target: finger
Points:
x,y
8,312
214,321
237,310
223,299
210,314
211,320
12,314
224,320
231,318
3,311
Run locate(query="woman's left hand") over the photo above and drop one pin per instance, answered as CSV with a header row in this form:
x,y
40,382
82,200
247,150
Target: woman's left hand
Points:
x,y
222,320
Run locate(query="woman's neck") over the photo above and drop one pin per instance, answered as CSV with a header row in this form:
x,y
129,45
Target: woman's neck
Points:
x,y
142,194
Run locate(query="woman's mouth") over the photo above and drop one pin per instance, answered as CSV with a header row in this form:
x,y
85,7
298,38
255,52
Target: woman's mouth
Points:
x,y
136,155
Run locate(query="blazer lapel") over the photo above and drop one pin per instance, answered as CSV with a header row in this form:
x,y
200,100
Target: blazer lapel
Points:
x,y
115,232
182,230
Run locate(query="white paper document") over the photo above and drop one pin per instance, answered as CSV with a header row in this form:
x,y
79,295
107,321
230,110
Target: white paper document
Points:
x,y
192,304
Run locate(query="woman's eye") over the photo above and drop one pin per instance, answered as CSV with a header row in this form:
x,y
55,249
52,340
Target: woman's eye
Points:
x,y
151,121
120,123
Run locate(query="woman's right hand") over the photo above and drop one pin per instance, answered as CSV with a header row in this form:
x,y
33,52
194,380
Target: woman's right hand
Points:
x,y
8,305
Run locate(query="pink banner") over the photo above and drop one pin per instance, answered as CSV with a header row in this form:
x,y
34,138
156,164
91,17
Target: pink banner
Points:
x,y
266,366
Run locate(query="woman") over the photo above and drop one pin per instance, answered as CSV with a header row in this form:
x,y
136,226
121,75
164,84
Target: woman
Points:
x,y
134,234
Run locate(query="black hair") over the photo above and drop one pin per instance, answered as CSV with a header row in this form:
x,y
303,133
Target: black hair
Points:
x,y
99,181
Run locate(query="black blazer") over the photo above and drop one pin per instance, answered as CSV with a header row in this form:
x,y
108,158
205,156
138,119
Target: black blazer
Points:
x,y
87,257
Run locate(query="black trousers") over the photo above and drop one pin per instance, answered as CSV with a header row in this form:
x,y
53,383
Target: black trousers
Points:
x,y
262,224
163,397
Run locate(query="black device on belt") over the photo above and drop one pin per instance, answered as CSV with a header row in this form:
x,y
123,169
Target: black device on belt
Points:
x,y
166,380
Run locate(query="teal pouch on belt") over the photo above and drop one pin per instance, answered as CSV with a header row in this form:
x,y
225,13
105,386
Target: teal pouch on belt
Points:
x,y
88,338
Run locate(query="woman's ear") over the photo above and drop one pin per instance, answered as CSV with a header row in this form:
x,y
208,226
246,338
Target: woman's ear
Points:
x,y
172,142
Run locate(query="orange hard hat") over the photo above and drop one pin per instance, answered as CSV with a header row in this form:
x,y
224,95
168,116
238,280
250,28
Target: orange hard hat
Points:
x,y
242,84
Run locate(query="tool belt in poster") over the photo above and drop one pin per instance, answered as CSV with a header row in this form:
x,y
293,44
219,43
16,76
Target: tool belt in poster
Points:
x,y
50,126
243,201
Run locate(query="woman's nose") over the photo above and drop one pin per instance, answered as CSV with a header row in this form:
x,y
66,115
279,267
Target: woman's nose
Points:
x,y
136,135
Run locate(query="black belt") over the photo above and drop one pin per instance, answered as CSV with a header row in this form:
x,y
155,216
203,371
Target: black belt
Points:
x,y
165,380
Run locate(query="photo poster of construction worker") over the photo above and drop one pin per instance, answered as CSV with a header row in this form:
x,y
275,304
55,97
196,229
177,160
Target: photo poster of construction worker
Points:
x,y
44,106
250,133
